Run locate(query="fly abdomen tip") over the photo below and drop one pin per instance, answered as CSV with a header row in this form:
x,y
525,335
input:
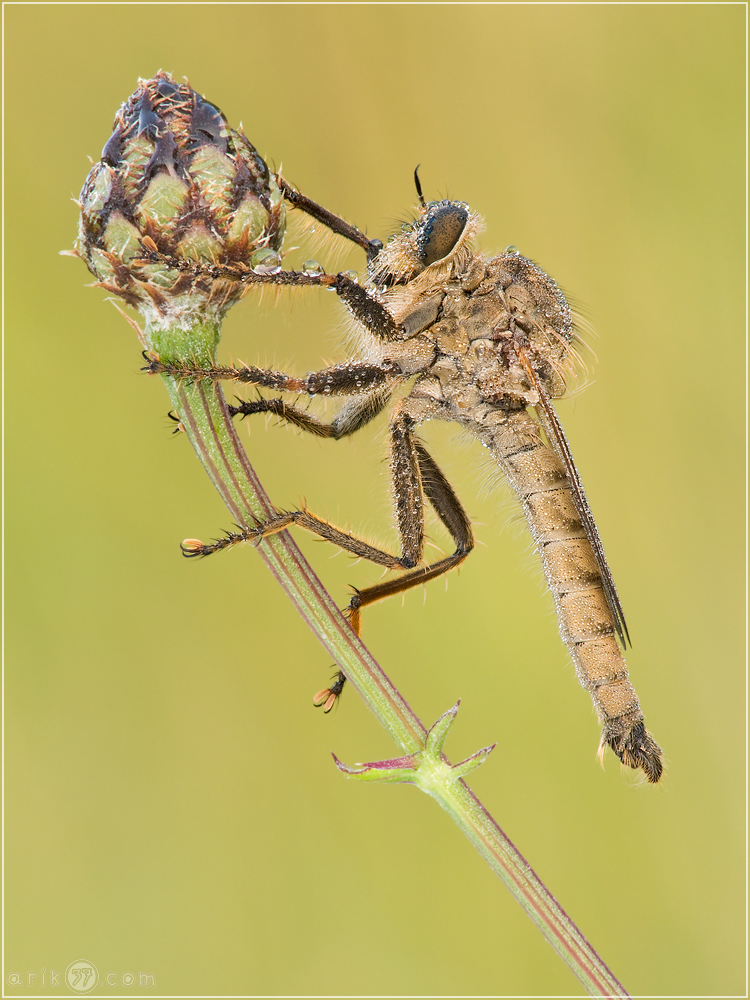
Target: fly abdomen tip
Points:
x,y
638,749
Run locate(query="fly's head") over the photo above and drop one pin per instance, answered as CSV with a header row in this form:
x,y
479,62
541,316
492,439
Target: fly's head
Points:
x,y
430,251
430,269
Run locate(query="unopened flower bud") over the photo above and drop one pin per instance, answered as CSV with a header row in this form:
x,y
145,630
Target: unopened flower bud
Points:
x,y
174,172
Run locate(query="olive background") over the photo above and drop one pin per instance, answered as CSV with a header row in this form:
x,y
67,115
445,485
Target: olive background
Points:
x,y
172,806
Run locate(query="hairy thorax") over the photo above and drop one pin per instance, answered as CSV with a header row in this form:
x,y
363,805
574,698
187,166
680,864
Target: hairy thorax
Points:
x,y
463,335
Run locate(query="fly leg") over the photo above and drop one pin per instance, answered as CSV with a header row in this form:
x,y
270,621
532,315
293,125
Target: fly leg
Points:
x,y
354,414
362,304
352,378
304,519
328,219
414,476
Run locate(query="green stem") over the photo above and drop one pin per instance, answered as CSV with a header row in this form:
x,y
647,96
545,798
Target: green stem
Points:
x,y
203,412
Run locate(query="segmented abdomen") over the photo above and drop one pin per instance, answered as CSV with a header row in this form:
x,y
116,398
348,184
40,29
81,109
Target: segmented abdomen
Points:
x,y
538,477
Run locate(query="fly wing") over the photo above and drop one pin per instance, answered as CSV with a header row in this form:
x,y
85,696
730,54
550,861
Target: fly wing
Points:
x,y
560,445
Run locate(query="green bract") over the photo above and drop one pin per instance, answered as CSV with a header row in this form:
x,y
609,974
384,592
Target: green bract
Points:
x,y
174,171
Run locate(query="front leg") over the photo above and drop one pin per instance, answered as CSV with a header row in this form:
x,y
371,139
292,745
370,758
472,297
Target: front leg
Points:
x,y
333,222
363,304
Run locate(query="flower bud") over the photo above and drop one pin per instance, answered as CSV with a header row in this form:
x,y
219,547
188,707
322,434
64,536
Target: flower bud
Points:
x,y
173,171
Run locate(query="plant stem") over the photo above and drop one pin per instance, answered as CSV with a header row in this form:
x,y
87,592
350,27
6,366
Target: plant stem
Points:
x,y
203,412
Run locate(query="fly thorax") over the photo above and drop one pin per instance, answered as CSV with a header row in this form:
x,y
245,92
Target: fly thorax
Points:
x,y
535,319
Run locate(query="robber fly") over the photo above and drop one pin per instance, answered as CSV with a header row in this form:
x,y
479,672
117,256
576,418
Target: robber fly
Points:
x,y
486,343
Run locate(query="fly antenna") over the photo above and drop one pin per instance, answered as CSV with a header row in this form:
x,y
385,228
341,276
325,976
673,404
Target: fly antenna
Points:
x,y
419,186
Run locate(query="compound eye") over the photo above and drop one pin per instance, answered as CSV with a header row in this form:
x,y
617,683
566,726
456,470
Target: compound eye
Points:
x,y
440,231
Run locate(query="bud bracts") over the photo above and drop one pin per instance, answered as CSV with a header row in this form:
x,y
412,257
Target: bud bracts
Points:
x,y
174,171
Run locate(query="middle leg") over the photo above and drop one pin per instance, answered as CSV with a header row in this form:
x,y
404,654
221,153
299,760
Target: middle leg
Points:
x,y
353,415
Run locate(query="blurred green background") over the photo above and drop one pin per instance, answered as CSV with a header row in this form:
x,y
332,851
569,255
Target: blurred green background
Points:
x,y
172,805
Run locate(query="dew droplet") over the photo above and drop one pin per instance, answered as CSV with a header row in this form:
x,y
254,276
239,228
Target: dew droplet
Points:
x,y
265,261
511,249
352,275
312,268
